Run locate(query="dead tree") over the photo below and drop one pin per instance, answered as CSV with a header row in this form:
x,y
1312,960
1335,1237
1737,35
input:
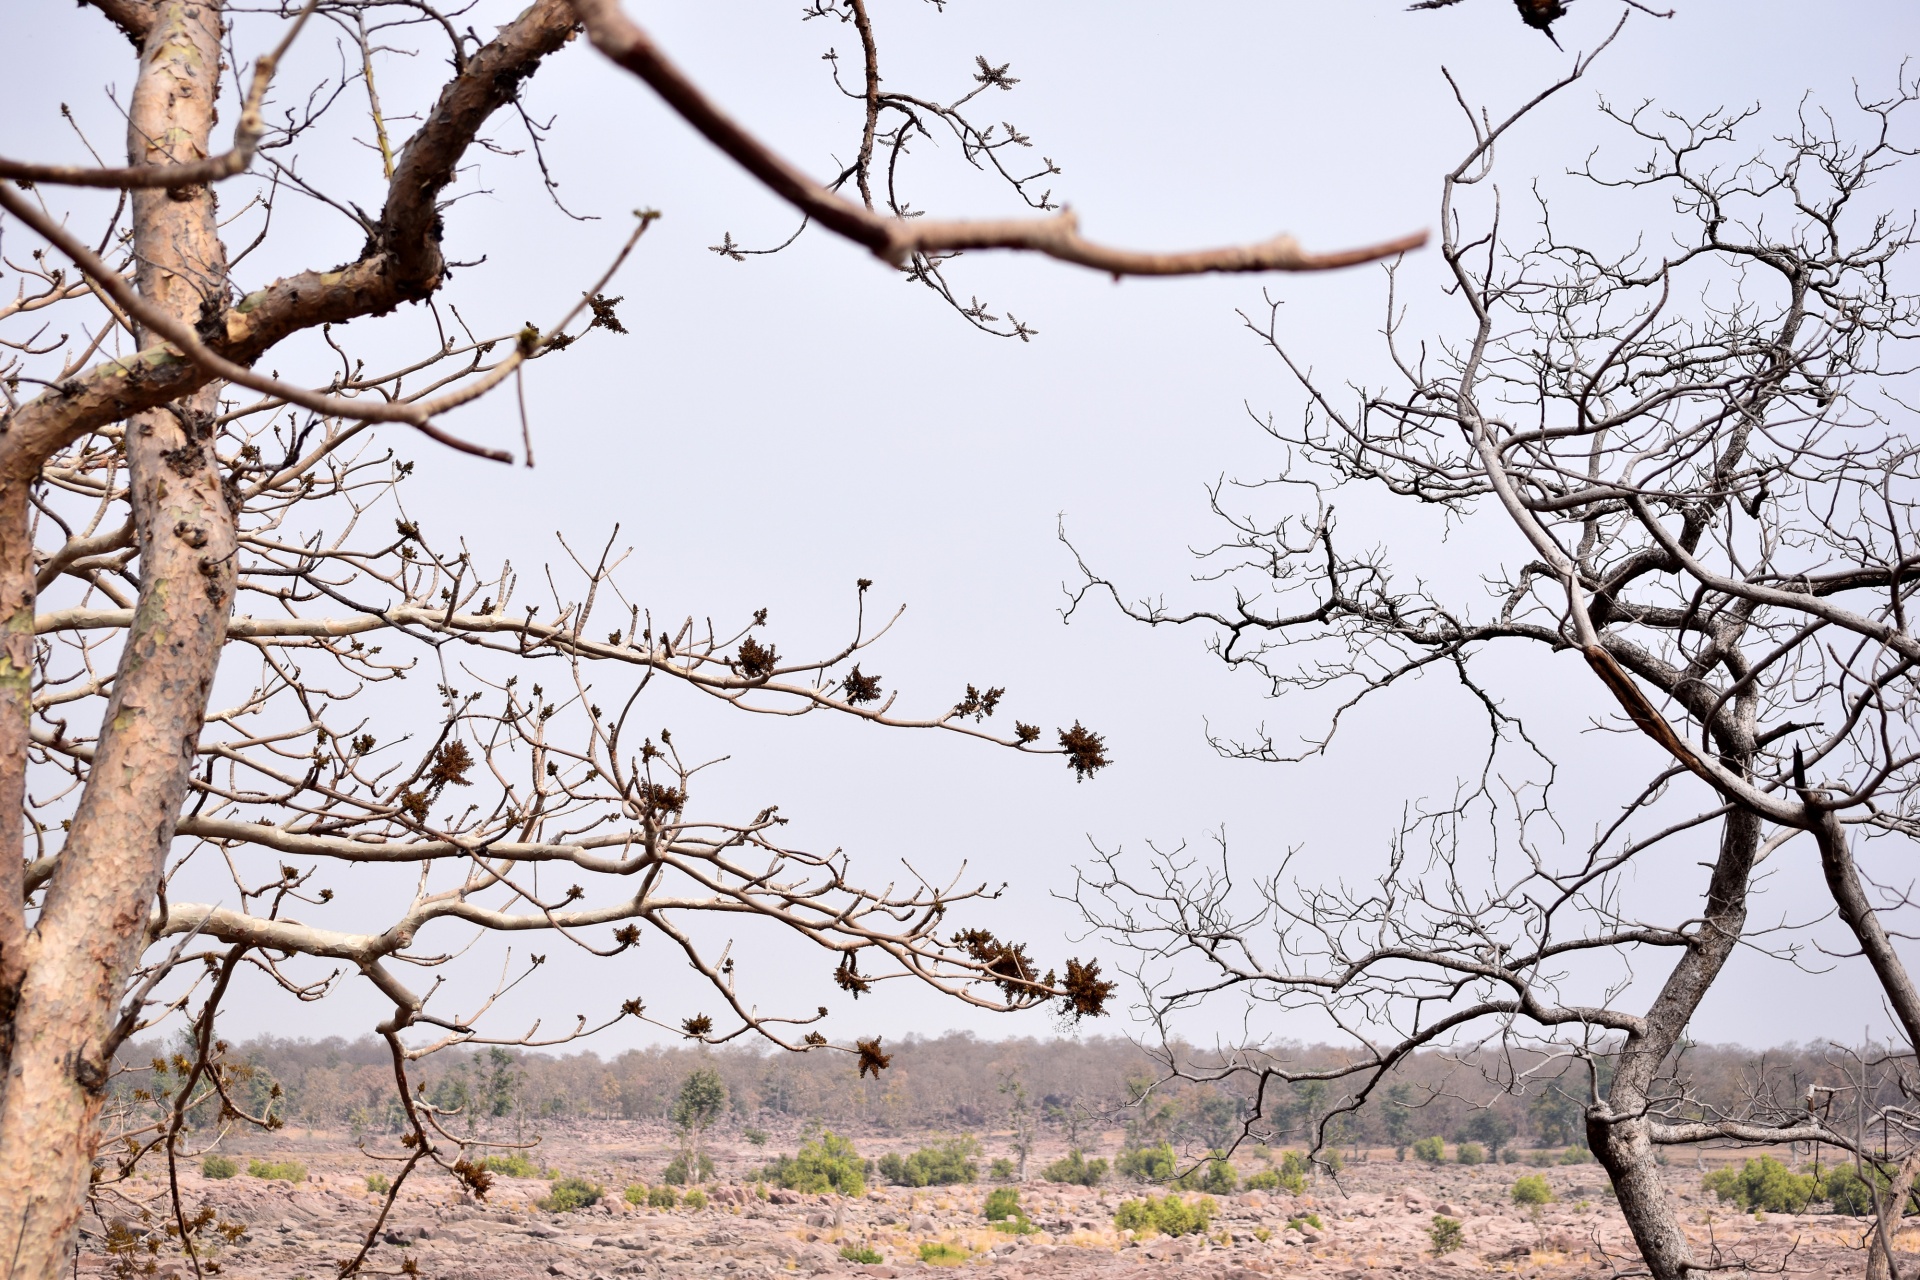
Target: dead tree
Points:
x,y
1711,477
166,507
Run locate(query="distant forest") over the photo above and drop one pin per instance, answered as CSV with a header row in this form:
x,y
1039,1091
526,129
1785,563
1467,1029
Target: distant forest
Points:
x,y
1075,1090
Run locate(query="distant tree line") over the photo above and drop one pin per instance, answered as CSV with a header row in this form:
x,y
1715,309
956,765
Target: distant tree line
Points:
x,y
1078,1091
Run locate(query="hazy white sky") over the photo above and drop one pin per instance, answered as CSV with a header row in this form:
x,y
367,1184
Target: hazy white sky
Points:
x,y
774,429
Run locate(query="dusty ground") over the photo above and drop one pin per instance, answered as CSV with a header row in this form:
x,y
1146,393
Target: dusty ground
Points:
x,y
1374,1222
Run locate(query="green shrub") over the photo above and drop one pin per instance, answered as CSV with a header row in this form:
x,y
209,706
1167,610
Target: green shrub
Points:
x,y
511,1164
680,1171
570,1193
277,1171
1001,1170
860,1254
1576,1155
662,1197
1531,1189
1293,1172
829,1163
379,1183
942,1255
1470,1153
636,1193
1265,1180
941,1165
696,1200
1430,1150
1147,1164
1218,1176
1303,1221
1171,1216
1763,1184
1445,1235
758,1137
1076,1170
1848,1192
1003,1203
1541,1159
218,1166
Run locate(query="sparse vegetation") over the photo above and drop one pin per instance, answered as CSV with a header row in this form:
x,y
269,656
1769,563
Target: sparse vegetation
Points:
x,y
696,1200
1430,1150
938,1254
1530,1190
379,1183
511,1164
860,1254
1169,1216
636,1193
942,1164
1264,1180
1302,1222
688,1167
1763,1184
1003,1203
1074,1168
1445,1235
662,1197
277,1170
570,1193
827,1163
1148,1164
1470,1153
1001,1170
218,1166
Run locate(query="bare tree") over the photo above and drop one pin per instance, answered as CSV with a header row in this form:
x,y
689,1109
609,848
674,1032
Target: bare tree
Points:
x,y
166,506
1704,450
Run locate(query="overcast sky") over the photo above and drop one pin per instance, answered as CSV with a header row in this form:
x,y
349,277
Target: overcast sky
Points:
x,y
774,429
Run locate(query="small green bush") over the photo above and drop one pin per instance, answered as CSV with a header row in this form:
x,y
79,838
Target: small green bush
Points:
x,y
1763,1184
662,1197
1531,1189
1147,1164
570,1193
1445,1235
1541,1159
860,1254
680,1170
1576,1155
941,1165
1076,1170
828,1163
1293,1172
1218,1176
277,1171
696,1200
511,1164
636,1193
1265,1180
218,1166
758,1137
942,1255
1470,1153
1001,1170
379,1183
1430,1150
1171,1216
1303,1221
1003,1203
1847,1191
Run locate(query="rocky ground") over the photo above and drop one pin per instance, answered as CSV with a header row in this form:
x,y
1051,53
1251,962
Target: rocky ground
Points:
x,y
1375,1222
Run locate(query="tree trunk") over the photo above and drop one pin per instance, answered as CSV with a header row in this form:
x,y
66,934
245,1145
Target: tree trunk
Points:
x,y
1619,1130
1886,1223
93,922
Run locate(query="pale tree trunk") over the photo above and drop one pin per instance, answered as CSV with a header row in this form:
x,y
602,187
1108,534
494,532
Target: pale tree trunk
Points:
x,y
1620,1132
93,923
1886,1223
